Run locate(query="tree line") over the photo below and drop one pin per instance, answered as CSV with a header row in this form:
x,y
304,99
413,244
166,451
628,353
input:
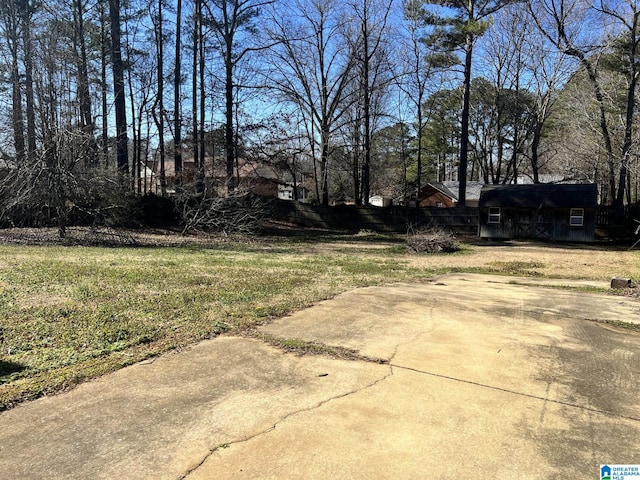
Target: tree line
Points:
x,y
344,99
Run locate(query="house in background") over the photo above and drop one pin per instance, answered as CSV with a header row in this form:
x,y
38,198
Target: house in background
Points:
x,y
286,192
557,212
445,194
250,176
257,178
435,194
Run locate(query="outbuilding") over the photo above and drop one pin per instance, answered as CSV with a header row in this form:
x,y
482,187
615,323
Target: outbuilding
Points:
x,y
556,212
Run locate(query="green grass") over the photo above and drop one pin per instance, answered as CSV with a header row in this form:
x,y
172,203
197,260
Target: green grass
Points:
x,y
72,313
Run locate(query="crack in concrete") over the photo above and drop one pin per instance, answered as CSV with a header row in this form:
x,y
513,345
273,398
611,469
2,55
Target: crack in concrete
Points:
x,y
304,348
397,347
514,392
283,419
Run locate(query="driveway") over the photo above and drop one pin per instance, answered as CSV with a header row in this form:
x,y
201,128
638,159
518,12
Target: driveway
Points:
x,y
468,376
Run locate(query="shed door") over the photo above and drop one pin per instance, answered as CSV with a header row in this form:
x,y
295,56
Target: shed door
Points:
x,y
523,227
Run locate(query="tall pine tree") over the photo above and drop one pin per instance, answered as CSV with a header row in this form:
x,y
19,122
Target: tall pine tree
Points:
x,y
457,24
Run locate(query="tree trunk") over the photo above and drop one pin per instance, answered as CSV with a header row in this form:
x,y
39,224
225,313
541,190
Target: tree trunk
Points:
x,y
535,161
161,146
367,92
201,170
104,48
86,119
28,80
140,159
177,131
17,115
420,131
228,131
464,127
604,127
118,88
194,81
630,111
324,163
136,132
355,170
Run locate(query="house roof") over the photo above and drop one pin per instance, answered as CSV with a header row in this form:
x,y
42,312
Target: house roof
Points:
x,y
451,189
258,170
540,195
440,187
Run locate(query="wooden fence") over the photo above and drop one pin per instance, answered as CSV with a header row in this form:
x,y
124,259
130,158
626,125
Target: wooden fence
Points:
x,y
354,218
611,222
617,216
617,223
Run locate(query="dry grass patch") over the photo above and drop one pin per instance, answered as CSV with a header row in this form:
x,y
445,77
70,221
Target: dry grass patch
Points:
x,y
580,262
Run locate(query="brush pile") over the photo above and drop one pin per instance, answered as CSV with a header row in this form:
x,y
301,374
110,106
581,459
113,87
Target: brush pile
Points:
x,y
431,240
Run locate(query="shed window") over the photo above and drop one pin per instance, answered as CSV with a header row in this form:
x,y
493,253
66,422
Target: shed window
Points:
x,y
576,217
494,215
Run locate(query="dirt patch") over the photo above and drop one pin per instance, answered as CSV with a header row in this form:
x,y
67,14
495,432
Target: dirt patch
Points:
x,y
551,261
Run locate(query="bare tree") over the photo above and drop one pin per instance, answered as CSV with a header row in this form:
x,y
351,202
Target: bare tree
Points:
x,y
626,15
312,68
505,55
84,96
561,21
233,21
371,59
159,113
104,86
416,74
545,72
177,111
196,66
28,9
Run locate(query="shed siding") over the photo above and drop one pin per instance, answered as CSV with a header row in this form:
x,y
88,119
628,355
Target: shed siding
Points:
x,y
539,211
552,224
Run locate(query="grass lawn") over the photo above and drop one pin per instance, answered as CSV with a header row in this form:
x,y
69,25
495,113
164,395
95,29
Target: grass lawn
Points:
x,y
69,313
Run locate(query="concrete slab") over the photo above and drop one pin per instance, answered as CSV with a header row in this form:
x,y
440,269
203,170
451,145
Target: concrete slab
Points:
x,y
443,429
486,377
160,419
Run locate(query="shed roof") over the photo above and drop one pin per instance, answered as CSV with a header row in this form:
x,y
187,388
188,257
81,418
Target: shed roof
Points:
x,y
540,196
